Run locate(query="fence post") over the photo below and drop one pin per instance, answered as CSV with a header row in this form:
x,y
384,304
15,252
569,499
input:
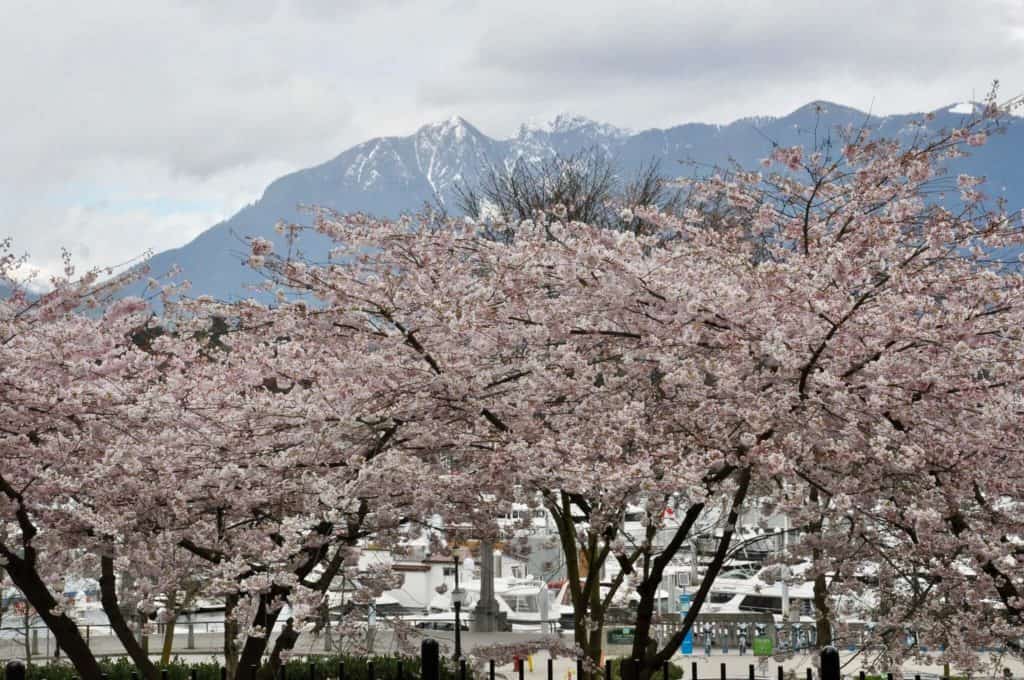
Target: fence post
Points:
x,y
829,663
750,671
551,668
430,660
14,670
693,671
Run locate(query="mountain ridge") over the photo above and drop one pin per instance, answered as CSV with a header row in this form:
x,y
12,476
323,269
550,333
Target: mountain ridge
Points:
x,y
390,175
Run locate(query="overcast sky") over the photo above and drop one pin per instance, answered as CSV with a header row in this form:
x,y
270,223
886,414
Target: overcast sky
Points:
x,y
138,124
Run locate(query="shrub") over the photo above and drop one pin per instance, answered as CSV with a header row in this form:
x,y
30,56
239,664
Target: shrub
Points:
x,y
356,668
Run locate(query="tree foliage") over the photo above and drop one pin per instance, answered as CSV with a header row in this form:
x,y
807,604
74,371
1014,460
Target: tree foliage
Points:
x,y
824,338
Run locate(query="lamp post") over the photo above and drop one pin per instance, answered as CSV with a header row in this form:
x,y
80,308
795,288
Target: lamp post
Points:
x,y
457,595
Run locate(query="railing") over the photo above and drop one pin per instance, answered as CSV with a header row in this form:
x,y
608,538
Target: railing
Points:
x,y
732,633
41,642
431,665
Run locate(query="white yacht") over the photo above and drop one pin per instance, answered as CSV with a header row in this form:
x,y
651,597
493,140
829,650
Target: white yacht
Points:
x,y
743,590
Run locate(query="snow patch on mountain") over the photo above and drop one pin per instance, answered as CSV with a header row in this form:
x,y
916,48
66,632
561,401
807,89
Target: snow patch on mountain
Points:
x,y
571,122
445,152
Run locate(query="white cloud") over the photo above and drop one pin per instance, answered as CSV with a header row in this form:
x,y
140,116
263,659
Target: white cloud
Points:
x,y
134,125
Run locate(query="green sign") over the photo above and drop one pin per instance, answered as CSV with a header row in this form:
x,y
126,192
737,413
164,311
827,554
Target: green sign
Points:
x,y
762,646
620,636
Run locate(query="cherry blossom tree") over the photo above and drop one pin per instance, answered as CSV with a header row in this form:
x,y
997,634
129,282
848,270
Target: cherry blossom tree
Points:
x,y
60,384
282,479
170,458
893,355
550,364
837,337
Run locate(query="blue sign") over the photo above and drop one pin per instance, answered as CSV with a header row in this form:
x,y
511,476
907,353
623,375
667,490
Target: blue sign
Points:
x,y
684,606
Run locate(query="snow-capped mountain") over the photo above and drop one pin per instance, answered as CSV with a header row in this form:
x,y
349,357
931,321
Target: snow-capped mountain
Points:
x,y
387,176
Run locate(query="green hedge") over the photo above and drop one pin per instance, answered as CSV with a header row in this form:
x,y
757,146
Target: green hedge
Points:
x,y
886,676
674,671
384,668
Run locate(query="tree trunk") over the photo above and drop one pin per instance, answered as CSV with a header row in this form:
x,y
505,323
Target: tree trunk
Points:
x,y
648,591
592,648
560,510
168,643
255,647
652,662
63,628
111,607
285,643
822,613
596,608
822,618
230,635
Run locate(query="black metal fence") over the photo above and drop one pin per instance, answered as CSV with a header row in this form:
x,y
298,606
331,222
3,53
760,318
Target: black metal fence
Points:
x,y
431,666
